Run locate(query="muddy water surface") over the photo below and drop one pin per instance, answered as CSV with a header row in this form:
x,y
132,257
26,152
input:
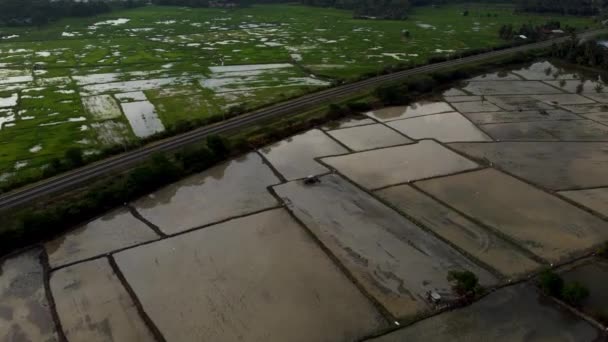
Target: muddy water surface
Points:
x,y
348,122
368,137
575,130
465,234
234,188
511,314
594,276
522,116
448,127
417,109
544,224
510,88
108,233
143,118
24,310
475,107
395,260
294,157
394,165
571,165
595,199
93,305
257,278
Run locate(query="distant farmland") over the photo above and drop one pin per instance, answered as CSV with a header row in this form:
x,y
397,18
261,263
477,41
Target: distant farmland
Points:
x,y
110,80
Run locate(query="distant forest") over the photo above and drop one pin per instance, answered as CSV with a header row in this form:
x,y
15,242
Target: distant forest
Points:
x,y
572,7
40,12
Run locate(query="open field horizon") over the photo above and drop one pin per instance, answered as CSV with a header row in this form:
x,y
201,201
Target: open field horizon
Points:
x,y
109,80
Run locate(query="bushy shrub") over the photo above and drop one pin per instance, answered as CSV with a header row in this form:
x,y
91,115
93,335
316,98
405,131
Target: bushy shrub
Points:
x,y
603,251
464,282
393,94
574,293
551,283
218,146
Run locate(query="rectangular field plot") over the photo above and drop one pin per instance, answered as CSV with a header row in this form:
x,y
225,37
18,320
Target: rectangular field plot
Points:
x,y
463,233
516,313
259,277
412,111
26,313
545,225
575,130
510,88
395,165
572,165
523,116
102,107
294,157
395,260
447,127
115,230
89,295
592,274
595,199
368,137
228,190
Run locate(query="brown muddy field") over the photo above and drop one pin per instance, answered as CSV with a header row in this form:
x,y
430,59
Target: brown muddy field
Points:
x,y
517,313
554,165
448,127
543,224
395,260
294,157
261,276
113,231
92,287
234,188
396,165
474,239
368,137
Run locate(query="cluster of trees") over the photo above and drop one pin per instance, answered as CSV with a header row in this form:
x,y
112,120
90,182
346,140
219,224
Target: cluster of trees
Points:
x,y
465,283
572,7
40,12
533,32
383,9
553,285
200,3
588,53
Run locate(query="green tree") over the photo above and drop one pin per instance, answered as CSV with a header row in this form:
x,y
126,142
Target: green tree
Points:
x,y
74,157
551,283
603,251
574,293
218,146
464,282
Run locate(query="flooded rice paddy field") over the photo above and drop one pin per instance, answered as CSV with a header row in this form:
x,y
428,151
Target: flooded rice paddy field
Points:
x,y
259,277
517,313
104,81
593,274
403,196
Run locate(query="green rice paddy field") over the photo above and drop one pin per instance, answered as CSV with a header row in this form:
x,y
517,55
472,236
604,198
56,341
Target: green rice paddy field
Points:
x,y
108,80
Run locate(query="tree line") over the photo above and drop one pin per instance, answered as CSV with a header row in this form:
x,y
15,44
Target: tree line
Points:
x,y
533,32
588,53
41,12
566,7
